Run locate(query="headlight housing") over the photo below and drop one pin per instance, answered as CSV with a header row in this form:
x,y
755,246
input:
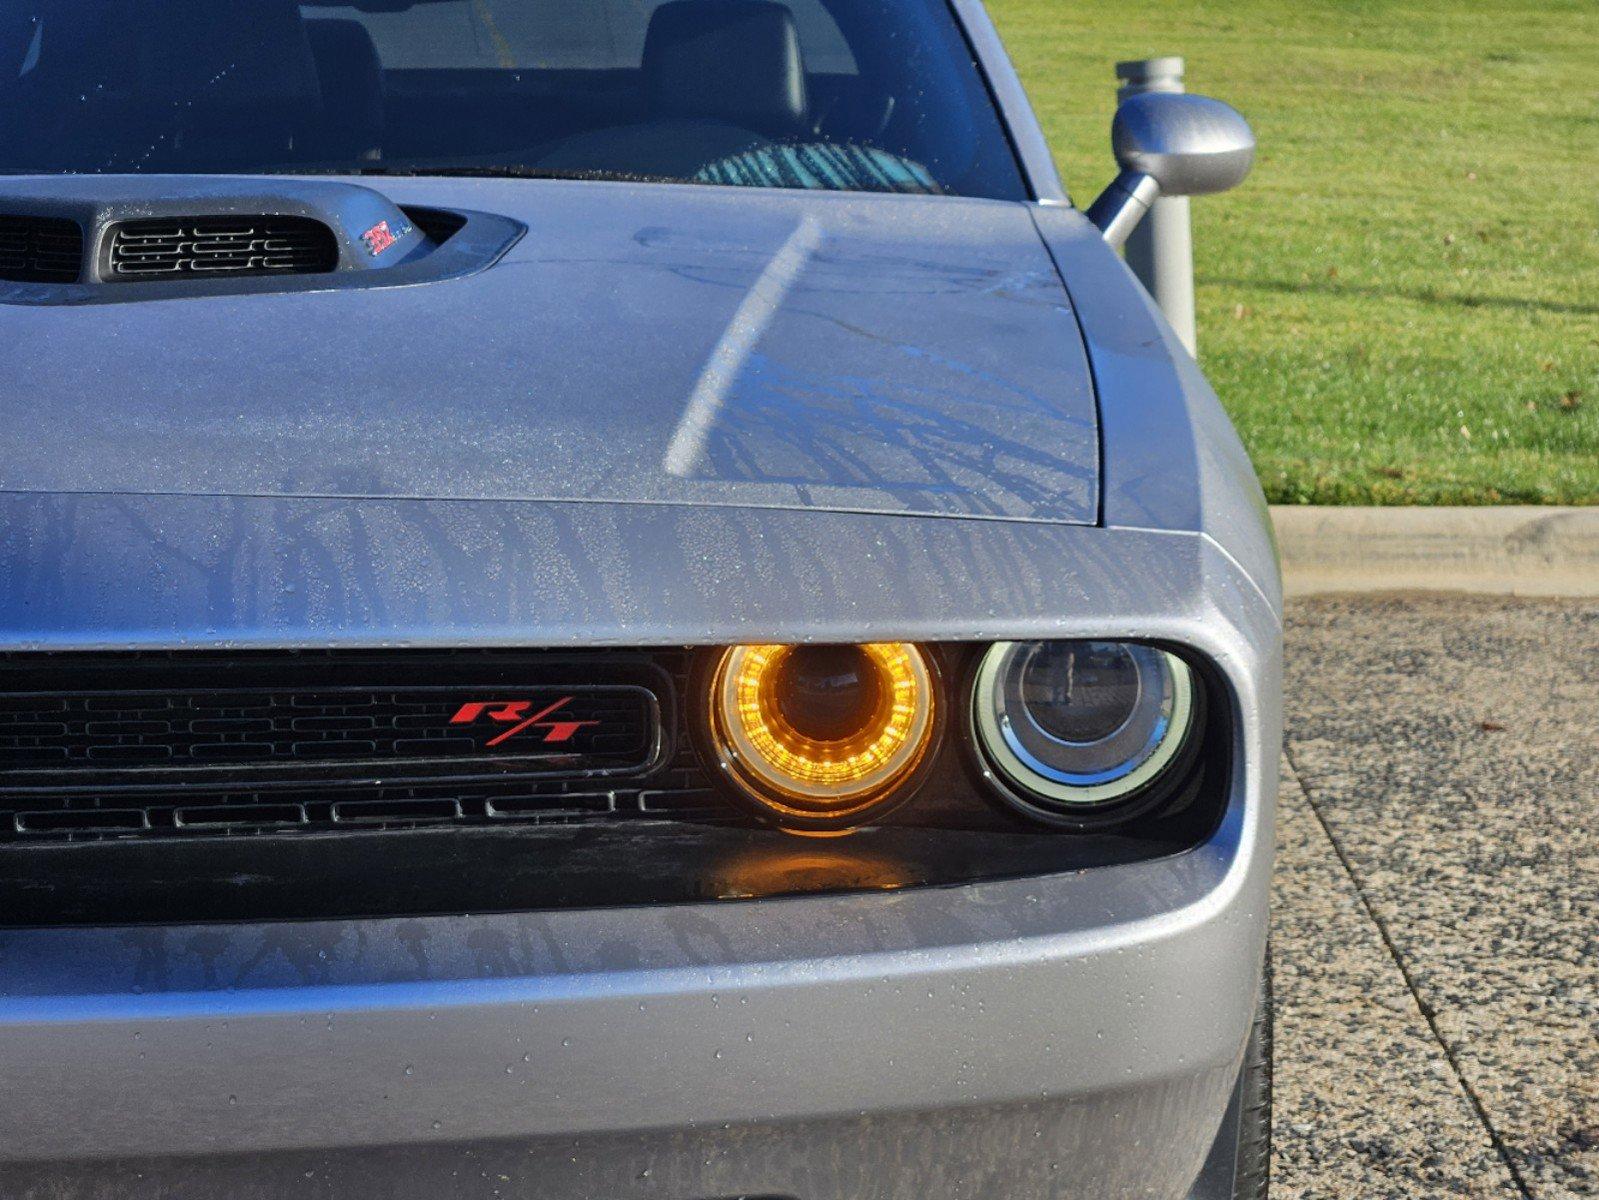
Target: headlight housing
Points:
x,y
1083,733
822,738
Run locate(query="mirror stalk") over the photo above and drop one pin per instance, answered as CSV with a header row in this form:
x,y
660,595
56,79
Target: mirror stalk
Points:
x,y
1122,205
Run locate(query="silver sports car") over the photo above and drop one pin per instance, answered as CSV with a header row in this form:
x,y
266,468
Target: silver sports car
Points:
x,y
603,600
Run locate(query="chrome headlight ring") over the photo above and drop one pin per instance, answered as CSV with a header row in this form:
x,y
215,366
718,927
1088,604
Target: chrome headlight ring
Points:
x,y
1084,733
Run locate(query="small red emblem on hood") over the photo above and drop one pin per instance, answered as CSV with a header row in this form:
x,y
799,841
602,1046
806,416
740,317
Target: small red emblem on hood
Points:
x,y
378,238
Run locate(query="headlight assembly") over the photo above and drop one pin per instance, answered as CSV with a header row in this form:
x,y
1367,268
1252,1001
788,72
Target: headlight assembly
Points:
x,y
821,738
1083,732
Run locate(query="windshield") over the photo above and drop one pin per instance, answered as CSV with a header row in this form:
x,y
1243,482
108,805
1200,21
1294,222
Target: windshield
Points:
x,y
861,95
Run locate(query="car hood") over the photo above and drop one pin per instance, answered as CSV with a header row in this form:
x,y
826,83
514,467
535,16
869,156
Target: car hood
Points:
x,y
639,344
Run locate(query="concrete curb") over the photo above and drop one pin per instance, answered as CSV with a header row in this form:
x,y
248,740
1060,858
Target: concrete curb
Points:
x,y
1521,551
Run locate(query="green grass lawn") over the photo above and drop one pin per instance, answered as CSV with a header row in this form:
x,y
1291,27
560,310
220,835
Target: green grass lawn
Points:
x,y
1401,305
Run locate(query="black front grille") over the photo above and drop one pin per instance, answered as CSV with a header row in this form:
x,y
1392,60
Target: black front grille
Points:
x,y
40,249
142,745
205,246
113,735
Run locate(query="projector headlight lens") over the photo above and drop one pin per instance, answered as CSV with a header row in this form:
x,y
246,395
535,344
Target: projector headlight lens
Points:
x,y
1076,727
822,737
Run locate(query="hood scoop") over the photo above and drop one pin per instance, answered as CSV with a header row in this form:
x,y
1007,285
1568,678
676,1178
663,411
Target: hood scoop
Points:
x,y
95,239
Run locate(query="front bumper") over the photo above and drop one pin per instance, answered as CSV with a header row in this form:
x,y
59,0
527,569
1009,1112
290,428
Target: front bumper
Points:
x,y
1067,1036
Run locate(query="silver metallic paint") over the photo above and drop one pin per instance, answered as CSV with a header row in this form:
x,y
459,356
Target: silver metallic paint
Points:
x,y
1173,146
1030,1038
1190,145
923,359
1122,207
1172,459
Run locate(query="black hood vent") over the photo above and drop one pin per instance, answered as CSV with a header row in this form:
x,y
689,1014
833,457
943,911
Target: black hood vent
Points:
x,y
211,246
40,249
437,225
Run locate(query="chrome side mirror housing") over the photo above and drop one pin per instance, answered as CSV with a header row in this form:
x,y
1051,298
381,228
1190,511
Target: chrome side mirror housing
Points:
x,y
1170,144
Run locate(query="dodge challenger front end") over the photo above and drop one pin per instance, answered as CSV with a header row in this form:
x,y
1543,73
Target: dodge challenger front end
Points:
x,y
611,600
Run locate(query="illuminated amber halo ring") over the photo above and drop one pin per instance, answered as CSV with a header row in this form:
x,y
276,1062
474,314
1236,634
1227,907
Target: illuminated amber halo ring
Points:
x,y
805,782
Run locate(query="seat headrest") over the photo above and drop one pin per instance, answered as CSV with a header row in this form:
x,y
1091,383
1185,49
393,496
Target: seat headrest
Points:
x,y
737,61
226,52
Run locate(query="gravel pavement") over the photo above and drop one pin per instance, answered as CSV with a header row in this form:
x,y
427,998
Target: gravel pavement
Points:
x,y
1437,905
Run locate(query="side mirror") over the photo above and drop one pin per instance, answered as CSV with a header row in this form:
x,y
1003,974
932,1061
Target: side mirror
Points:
x,y
1170,144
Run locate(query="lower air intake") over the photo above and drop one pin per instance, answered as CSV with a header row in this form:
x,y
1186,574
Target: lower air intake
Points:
x,y
212,246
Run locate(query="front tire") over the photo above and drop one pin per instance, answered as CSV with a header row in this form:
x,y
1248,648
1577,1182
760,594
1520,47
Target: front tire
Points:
x,y
1252,1170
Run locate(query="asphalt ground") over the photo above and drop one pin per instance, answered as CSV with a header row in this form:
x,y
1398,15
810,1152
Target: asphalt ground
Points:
x,y
1437,900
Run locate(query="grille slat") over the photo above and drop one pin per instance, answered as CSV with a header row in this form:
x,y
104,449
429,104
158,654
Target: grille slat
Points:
x,y
221,245
257,816
95,820
40,249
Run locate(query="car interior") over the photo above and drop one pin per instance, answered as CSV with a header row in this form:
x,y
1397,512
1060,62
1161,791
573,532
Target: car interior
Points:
x,y
634,88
